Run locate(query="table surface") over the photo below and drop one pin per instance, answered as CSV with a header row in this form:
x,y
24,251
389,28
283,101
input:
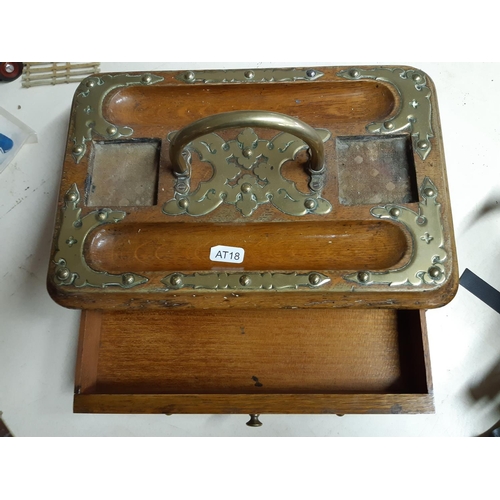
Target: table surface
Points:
x,y
38,338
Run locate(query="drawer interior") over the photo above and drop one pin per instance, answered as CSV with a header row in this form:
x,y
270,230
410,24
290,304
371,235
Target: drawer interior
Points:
x,y
253,354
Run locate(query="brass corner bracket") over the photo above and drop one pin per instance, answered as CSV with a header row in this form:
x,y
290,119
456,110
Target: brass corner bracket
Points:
x,y
414,114
90,96
428,256
70,265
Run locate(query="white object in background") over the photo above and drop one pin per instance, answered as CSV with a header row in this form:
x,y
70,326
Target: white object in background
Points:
x,y
35,74
13,135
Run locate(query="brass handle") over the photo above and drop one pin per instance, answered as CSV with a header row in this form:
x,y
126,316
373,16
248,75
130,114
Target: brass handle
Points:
x,y
263,119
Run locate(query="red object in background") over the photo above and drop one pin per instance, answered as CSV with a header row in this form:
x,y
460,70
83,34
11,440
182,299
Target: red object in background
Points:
x,y
10,71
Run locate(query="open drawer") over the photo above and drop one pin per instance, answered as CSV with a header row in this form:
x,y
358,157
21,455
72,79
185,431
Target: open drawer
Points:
x,y
288,361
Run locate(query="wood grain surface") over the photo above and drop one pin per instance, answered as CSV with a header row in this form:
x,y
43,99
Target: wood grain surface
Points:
x,y
268,246
255,403
183,359
88,351
320,103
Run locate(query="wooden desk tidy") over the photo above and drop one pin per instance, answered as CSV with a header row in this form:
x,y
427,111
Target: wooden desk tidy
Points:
x,y
254,241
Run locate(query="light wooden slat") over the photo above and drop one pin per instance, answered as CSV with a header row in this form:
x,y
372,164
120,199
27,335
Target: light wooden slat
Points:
x,y
255,403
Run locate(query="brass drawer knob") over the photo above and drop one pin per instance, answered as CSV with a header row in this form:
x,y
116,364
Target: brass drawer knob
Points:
x,y
254,420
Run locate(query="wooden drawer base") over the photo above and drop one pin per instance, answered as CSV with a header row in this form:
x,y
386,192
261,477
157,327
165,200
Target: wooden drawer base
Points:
x,y
254,361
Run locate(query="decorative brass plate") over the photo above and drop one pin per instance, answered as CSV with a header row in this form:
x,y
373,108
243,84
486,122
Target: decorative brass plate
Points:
x,y
249,75
414,114
71,268
244,281
90,96
426,263
247,173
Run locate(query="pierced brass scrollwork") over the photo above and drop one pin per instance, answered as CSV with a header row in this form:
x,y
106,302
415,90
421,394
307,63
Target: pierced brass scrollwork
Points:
x,y
247,173
71,267
414,114
428,256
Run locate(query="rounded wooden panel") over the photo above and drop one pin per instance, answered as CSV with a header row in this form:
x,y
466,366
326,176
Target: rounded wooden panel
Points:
x,y
330,245
318,104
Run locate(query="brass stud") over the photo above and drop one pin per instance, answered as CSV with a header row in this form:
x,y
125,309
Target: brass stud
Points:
x,y
429,192
247,153
249,74
310,204
176,280
354,73
417,78
246,187
189,76
423,145
127,279
395,212
72,197
90,83
363,276
183,202
63,273
314,279
254,420
101,216
78,150
389,125
146,79
434,272
245,280
112,130
310,73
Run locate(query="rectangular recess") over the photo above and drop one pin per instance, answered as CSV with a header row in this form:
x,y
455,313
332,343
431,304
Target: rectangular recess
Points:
x,y
123,173
376,169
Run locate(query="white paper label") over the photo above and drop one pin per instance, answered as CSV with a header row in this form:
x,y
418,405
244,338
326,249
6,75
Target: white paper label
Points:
x,y
221,253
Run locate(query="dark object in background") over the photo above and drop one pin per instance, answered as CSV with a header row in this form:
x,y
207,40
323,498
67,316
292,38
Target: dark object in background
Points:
x,y
492,431
10,71
4,431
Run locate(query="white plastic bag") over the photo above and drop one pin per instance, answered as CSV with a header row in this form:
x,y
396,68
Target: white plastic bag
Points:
x,y
13,135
